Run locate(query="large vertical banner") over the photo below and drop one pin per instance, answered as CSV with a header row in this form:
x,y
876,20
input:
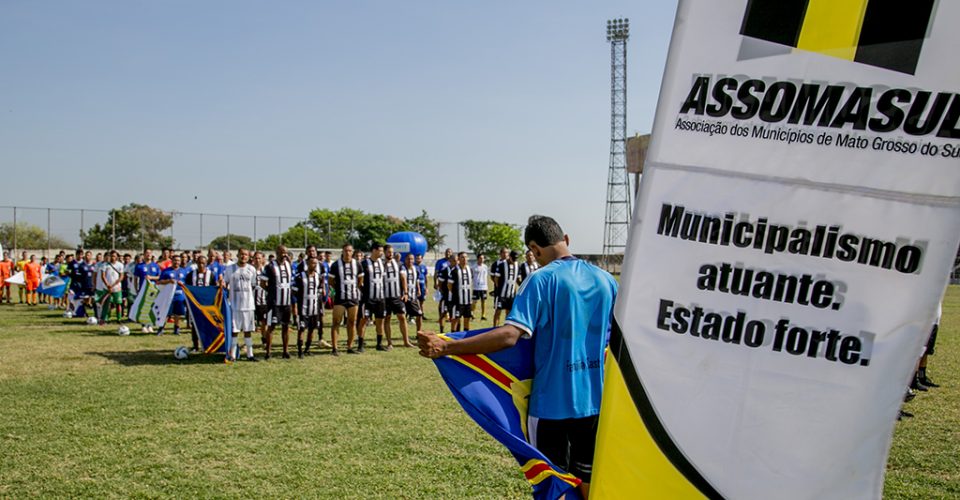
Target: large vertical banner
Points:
x,y
798,217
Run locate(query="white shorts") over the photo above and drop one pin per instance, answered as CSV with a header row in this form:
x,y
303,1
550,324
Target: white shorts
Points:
x,y
243,322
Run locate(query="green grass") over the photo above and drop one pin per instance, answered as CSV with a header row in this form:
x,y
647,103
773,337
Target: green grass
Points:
x,y
86,413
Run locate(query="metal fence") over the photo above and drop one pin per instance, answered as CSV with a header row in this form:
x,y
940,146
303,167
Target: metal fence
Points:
x,y
48,230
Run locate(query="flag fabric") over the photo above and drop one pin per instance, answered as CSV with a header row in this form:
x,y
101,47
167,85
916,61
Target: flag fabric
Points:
x,y
16,279
142,308
210,315
494,389
161,305
54,286
771,173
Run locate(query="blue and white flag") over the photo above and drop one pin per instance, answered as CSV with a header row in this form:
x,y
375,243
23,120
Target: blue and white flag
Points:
x,y
54,286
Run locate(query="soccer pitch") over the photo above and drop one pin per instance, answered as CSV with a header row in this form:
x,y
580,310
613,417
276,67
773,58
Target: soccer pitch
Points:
x,y
87,413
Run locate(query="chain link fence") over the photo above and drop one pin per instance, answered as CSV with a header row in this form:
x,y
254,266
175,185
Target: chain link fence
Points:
x,y
47,231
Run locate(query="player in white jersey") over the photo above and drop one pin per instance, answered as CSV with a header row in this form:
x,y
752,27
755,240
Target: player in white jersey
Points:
x,y
239,280
480,272
110,284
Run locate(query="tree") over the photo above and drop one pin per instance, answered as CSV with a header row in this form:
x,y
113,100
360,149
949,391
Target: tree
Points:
x,y
360,229
231,242
29,237
294,237
136,225
429,228
485,237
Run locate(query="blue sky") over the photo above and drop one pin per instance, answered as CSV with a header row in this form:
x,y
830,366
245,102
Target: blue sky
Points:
x,y
482,110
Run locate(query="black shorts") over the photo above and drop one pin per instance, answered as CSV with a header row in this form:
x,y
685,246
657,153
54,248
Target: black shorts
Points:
x,y
504,303
568,443
395,305
281,315
375,309
413,308
932,341
312,322
479,295
461,311
260,313
346,303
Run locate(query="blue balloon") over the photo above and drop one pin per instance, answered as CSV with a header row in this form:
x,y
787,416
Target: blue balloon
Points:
x,y
407,242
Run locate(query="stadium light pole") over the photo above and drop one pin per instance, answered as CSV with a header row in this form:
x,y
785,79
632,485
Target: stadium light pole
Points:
x,y
617,219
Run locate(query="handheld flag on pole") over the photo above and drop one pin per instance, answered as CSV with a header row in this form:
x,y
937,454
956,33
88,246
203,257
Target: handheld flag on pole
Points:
x,y
494,389
210,315
54,286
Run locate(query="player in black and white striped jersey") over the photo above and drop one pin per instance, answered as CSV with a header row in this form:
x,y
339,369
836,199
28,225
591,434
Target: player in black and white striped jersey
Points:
x,y
395,289
504,284
527,268
278,277
460,290
261,310
308,307
372,287
346,297
411,297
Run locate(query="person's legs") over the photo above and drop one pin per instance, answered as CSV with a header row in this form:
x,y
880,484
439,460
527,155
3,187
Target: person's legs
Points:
x,y
351,329
378,323
338,314
582,436
404,334
387,333
300,328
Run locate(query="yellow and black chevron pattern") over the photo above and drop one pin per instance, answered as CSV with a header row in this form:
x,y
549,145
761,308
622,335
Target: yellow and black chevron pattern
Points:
x,y
884,33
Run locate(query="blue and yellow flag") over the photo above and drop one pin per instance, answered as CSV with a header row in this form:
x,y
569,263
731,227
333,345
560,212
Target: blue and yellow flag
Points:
x,y
494,389
210,315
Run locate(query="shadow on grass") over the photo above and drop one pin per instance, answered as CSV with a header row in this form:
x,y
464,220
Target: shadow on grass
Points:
x,y
156,357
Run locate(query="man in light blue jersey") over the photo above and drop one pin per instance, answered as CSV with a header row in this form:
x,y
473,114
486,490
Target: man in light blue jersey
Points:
x,y
566,308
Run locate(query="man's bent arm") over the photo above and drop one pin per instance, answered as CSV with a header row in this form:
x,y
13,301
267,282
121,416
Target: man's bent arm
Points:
x,y
497,339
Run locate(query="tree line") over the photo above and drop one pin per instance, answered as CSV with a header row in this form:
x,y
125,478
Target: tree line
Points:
x,y
135,226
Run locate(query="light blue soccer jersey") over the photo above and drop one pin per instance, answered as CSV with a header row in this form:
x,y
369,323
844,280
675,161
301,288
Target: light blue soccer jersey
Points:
x,y
567,308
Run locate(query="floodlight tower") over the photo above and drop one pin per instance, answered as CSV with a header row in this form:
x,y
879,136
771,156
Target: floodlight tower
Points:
x,y
617,221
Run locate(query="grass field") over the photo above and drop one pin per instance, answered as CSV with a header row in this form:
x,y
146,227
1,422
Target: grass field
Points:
x,y
86,413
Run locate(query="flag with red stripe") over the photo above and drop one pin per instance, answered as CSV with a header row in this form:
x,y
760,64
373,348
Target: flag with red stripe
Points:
x,y
494,390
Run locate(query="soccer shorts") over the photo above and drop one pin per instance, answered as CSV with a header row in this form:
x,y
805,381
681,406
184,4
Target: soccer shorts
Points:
x,y
32,285
395,305
504,303
312,322
568,443
413,308
347,304
281,315
479,295
260,313
375,309
422,290
178,308
116,298
244,321
461,311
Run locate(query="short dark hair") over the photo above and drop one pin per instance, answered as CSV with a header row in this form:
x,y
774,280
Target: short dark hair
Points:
x,y
542,230
513,254
387,247
375,245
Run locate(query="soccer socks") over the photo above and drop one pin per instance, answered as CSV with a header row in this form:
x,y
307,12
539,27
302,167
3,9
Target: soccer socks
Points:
x,y
249,343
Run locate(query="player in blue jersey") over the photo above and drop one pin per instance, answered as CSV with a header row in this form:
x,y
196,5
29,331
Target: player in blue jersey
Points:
x,y
421,283
175,275
567,309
